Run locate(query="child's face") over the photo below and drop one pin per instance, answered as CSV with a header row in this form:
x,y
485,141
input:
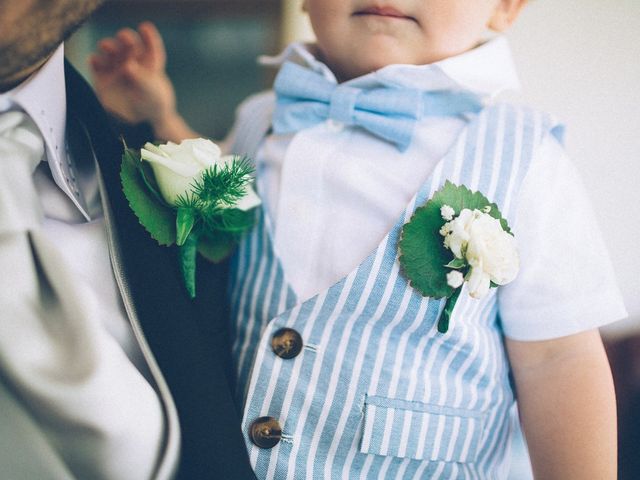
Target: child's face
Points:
x,y
356,37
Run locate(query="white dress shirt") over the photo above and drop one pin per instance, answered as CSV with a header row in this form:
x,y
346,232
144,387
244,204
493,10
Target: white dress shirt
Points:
x,y
128,440
333,192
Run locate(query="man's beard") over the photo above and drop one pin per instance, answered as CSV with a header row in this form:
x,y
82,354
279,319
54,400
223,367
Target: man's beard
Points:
x,y
44,31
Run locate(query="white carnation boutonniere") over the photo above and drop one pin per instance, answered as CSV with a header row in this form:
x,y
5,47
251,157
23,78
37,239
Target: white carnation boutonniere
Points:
x,y
189,195
458,236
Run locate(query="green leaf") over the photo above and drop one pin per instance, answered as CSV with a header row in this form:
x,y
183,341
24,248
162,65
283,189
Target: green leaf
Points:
x,y
222,232
185,220
460,197
217,246
229,220
187,255
456,263
155,217
423,256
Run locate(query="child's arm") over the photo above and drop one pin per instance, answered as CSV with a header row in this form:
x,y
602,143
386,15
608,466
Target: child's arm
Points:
x,y
567,406
131,82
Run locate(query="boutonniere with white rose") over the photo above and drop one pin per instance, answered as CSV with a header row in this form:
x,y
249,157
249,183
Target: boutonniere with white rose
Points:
x,y
458,236
189,195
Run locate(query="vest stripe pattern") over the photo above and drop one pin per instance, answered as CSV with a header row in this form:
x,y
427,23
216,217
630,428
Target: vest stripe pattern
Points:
x,y
377,392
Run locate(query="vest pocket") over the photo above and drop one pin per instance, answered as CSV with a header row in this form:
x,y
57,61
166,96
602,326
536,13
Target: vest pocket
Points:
x,y
421,431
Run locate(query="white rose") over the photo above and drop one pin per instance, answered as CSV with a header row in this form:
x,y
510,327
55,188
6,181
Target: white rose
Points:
x,y
176,167
491,253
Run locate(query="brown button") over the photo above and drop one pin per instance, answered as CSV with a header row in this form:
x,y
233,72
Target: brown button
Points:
x,y
286,343
265,432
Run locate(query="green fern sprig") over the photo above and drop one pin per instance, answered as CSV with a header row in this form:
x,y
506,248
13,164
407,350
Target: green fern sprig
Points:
x,y
222,187
187,200
208,212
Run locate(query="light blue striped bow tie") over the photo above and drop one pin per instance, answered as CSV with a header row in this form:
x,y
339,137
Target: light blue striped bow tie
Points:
x,y
306,98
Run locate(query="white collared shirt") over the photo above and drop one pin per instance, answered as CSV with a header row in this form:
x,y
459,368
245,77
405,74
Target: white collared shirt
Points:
x,y
333,193
74,223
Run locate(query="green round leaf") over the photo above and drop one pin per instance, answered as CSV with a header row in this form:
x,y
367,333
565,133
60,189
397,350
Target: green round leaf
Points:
x,y
423,256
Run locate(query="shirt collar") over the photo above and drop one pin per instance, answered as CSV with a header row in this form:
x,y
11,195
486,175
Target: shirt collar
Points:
x,y
486,70
301,54
43,97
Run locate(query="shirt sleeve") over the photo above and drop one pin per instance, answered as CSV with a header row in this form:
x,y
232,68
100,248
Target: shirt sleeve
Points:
x,y
566,282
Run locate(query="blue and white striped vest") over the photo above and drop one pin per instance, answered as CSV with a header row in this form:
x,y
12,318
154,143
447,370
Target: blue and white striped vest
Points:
x,y
376,391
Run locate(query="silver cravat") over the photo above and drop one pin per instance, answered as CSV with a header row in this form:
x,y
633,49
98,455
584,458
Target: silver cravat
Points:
x,y
71,377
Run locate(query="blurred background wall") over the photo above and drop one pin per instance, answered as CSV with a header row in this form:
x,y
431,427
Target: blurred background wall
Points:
x,y
212,47
579,59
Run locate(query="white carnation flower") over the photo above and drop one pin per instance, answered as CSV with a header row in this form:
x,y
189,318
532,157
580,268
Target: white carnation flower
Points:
x,y
490,252
478,281
492,255
456,232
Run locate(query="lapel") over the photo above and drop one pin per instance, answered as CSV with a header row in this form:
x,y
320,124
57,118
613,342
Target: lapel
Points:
x,y
188,339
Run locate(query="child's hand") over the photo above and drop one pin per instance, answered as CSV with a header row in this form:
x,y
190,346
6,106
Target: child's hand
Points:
x,y
130,78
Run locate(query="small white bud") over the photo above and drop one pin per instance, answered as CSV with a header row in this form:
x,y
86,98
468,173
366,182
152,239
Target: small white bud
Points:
x,y
455,279
447,212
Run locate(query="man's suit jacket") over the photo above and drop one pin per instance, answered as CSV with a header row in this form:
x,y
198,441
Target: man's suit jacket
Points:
x,y
185,340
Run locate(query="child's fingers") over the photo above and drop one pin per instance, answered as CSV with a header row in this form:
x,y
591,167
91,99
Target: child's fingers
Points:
x,y
108,46
99,63
106,56
113,51
130,44
152,41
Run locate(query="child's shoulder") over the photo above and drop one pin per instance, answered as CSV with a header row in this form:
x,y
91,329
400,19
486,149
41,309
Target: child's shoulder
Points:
x,y
256,104
252,122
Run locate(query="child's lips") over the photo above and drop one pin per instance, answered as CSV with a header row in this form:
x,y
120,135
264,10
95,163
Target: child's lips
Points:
x,y
389,12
